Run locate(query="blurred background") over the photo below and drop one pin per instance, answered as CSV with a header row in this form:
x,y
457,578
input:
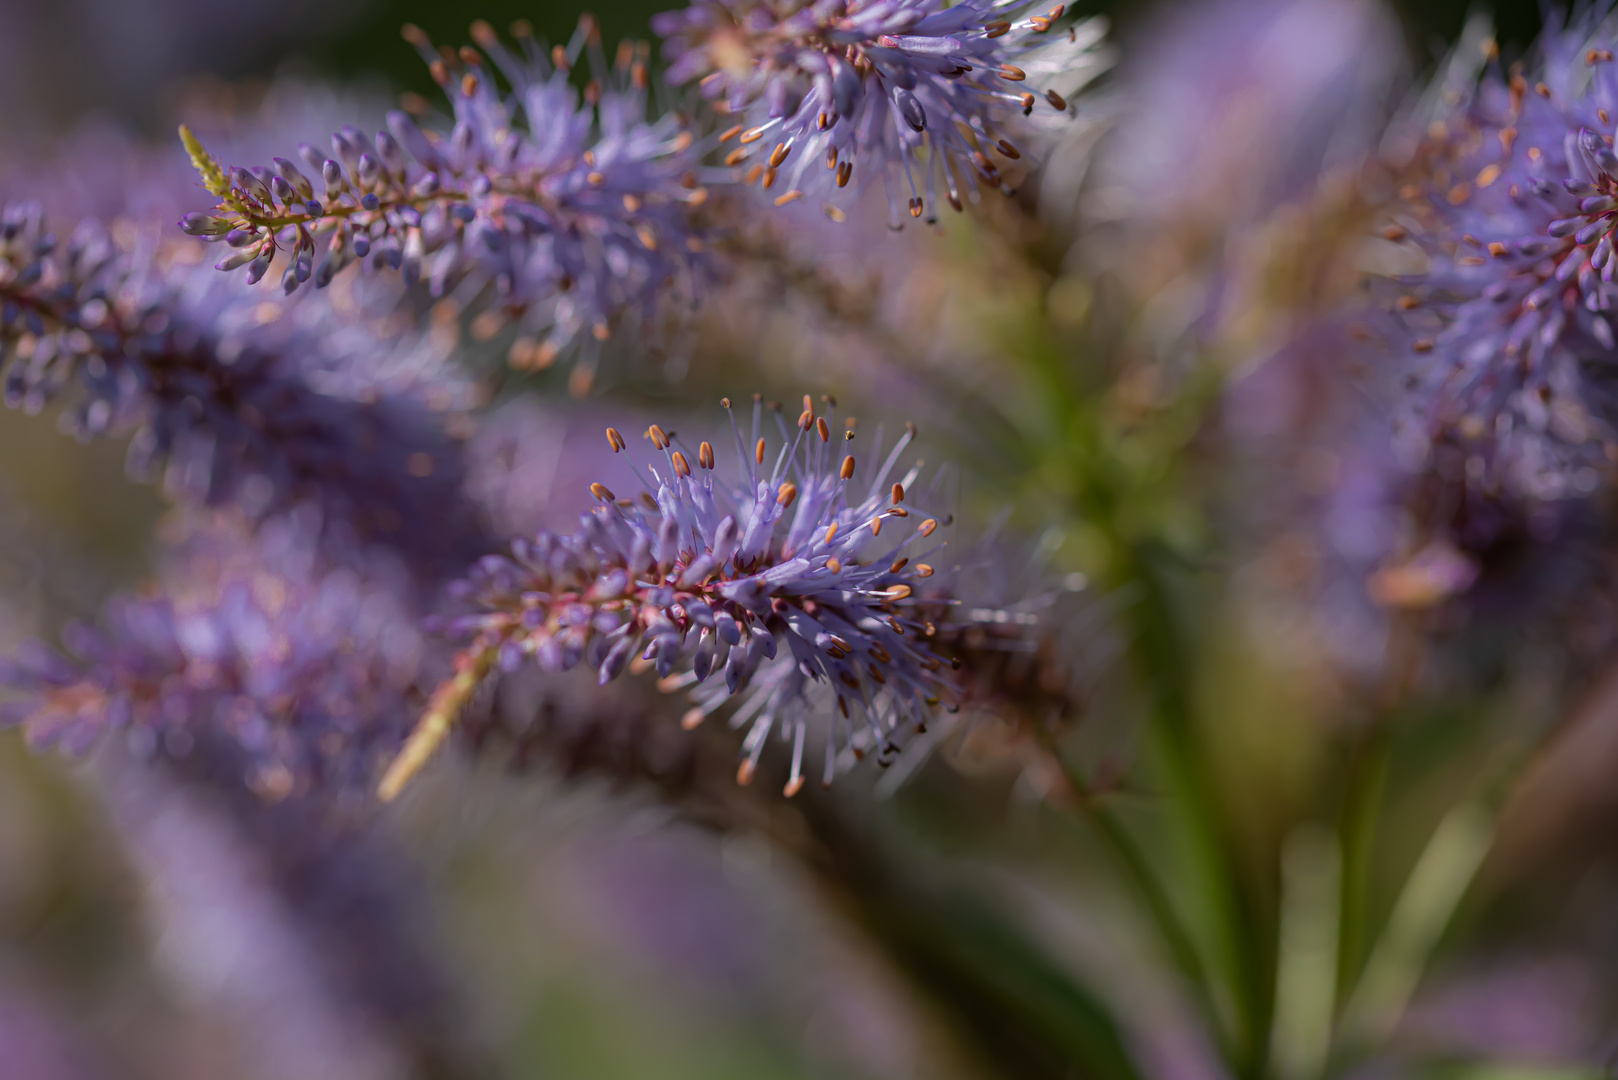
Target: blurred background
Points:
x,y
530,923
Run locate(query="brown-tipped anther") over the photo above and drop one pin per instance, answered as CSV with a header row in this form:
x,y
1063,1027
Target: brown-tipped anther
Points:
x,y
1423,345
1007,149
692,718
631,202
1407,303
483,33
1040,23
1394,233
848,467
779,154
831,532
416,36
998,28
1542,90
923,570
615,440
595,178
753,174
1027,110
744,772
1056,12
897,511
876,526
724,403
806,420
911,428
794,786
926,528
792,196
1058,102
469,84
788,492
898,565
681,466
822,429
469,56
844,172
736,157
730,133
752,135
705,455
758,452
659,440
559,58
601,492
831,157
898,493
769,179
522,28
1012,73
440,72
834,564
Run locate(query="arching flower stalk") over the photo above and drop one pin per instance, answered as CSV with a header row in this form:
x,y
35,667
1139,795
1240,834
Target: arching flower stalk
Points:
x,y
574,212
1504,337
924,97
786,590
238,399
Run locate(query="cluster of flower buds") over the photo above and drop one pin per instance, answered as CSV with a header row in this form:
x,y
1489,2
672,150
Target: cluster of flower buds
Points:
x,y
311,670
1514,210
579,212
241,401
829,92
785,589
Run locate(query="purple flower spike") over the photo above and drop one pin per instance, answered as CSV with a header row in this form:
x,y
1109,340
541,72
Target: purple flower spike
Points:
x,y
926,98
308,668
798,590
574,213
231,396
1506,334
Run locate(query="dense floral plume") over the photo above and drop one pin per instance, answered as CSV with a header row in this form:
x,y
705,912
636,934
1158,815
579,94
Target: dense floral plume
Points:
x,y
834,91
254,637
581,212
1506,333
813,602
239,399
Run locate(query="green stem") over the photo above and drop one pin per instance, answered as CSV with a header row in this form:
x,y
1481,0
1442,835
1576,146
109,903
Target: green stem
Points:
x,y
1247,953
1362,798
1138,872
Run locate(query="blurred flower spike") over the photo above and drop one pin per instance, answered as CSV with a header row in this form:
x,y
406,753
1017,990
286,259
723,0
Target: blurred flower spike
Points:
x,y
581,213
922,97
253,634
1514,208
787,589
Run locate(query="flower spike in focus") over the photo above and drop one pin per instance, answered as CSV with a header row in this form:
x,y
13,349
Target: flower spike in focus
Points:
x,y
797,588
575,211
927,98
